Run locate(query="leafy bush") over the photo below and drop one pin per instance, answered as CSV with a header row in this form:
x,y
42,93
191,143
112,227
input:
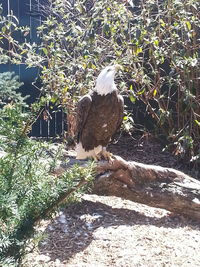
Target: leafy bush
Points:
x,y
164,74
156,42
28,190
9,84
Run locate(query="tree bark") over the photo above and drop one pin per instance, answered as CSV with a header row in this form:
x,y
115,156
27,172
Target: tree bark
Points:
x,y
151,185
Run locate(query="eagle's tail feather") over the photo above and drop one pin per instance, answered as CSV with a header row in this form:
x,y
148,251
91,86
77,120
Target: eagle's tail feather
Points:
x,y
81,153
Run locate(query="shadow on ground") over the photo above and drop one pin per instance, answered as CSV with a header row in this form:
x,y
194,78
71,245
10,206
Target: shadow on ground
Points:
x,y
73,230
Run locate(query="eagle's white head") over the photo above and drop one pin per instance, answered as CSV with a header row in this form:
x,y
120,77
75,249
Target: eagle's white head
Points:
x,y
105,81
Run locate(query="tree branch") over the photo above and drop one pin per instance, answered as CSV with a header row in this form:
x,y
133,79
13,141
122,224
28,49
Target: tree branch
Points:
x,y
151,185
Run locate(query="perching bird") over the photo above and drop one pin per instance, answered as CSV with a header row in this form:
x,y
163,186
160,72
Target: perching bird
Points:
x,y
99,116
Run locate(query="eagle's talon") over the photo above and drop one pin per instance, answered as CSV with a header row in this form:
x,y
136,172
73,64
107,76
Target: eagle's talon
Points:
x,y
107,155
111,160
96,157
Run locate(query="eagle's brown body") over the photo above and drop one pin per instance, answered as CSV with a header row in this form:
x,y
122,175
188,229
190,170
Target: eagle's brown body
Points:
x,y
99,116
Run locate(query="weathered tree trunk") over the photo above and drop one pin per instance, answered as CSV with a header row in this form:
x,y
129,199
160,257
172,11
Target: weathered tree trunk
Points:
x,y
151,185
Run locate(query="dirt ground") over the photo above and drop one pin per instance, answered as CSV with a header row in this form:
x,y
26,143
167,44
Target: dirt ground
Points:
x,y
105,231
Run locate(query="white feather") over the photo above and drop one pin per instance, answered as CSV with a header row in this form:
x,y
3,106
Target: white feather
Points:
x,y
81,153
105,81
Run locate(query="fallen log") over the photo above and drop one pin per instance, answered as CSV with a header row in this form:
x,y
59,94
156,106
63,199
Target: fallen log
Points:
x,y
152,185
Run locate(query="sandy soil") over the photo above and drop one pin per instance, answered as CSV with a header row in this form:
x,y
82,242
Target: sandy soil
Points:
x,y
105,231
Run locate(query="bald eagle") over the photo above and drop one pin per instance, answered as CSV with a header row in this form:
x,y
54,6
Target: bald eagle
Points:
x,y
99,116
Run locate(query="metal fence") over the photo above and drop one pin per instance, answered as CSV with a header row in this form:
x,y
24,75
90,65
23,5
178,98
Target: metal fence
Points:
x,y
29,14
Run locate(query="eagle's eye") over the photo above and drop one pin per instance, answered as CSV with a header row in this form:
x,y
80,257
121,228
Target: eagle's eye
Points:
x,y
108,70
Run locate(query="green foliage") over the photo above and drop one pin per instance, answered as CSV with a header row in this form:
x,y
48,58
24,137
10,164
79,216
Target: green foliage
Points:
x,y
28,189
29,192
77,41
164,73
10,49
9,83
156,42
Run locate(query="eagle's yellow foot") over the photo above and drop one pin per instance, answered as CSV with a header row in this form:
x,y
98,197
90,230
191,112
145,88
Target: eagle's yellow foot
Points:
x,y
107,155
96,157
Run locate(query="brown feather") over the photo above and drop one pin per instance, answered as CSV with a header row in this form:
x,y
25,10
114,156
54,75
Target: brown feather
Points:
x,y
98,118
83,108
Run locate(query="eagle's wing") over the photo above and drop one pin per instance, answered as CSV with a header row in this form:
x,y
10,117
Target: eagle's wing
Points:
x,y
121,111
83,108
